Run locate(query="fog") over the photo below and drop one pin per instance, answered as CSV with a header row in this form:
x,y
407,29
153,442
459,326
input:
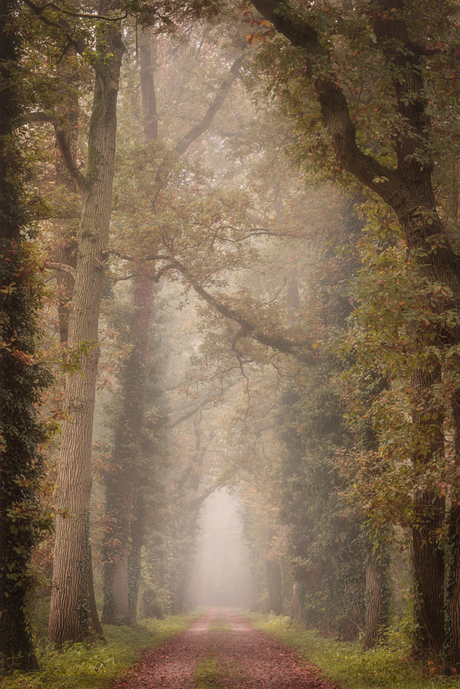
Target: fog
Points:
x,y
221,574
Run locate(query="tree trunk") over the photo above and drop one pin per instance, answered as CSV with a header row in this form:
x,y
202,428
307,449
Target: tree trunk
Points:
x,y
123,484
274,584
429,509
69,613
377,595
453,582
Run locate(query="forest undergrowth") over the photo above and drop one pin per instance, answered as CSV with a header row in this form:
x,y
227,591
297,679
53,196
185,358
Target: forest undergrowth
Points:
x,y
387,665
86,665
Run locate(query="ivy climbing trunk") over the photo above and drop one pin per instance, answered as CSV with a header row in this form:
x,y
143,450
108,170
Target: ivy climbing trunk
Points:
x,y
124,483
69,613
21,375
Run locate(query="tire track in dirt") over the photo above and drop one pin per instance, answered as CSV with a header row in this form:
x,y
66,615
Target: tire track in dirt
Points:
x,y
244,658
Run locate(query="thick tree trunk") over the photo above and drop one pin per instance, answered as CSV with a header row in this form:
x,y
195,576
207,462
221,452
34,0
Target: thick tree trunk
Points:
x,y
69,601
428,564
429,509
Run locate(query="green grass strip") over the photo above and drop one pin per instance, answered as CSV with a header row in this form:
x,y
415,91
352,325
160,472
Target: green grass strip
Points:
x,y
84,665
206,674
386,666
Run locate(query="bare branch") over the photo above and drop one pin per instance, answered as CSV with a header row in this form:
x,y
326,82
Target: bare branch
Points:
x,y
68,159
282,344
215,106
193,411
63,267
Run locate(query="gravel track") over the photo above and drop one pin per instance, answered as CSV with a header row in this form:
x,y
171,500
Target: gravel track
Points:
x,y
242,657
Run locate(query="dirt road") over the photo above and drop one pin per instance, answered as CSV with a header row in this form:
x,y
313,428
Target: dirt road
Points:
x,y
221,650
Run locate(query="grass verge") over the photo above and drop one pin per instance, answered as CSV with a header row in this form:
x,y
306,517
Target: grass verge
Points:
x,y
84,665
206,674
346,663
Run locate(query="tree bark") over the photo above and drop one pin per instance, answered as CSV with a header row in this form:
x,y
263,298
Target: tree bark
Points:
x,y
377,596
69,614
453,581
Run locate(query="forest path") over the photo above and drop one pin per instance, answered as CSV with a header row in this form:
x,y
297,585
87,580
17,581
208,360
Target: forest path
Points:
x,y
221,650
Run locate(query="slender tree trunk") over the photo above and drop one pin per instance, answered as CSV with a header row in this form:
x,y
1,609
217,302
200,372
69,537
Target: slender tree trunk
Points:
x,y
274,583
377,595
69,614
65,252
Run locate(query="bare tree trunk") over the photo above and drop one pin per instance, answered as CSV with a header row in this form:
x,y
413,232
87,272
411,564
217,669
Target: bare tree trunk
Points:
x,y
69,614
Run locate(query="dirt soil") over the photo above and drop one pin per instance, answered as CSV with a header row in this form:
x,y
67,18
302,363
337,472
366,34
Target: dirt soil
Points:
x,y
240,657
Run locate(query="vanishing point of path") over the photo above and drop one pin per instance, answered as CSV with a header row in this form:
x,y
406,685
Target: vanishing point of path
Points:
x,y
231,655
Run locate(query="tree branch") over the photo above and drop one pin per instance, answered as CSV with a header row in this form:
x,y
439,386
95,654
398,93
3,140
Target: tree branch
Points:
x,y
384,181
68,159
77,43
215,106
63,267
193,411
299,349
196,502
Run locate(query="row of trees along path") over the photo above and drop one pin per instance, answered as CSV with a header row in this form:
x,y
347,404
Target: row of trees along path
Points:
x,y
232,653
